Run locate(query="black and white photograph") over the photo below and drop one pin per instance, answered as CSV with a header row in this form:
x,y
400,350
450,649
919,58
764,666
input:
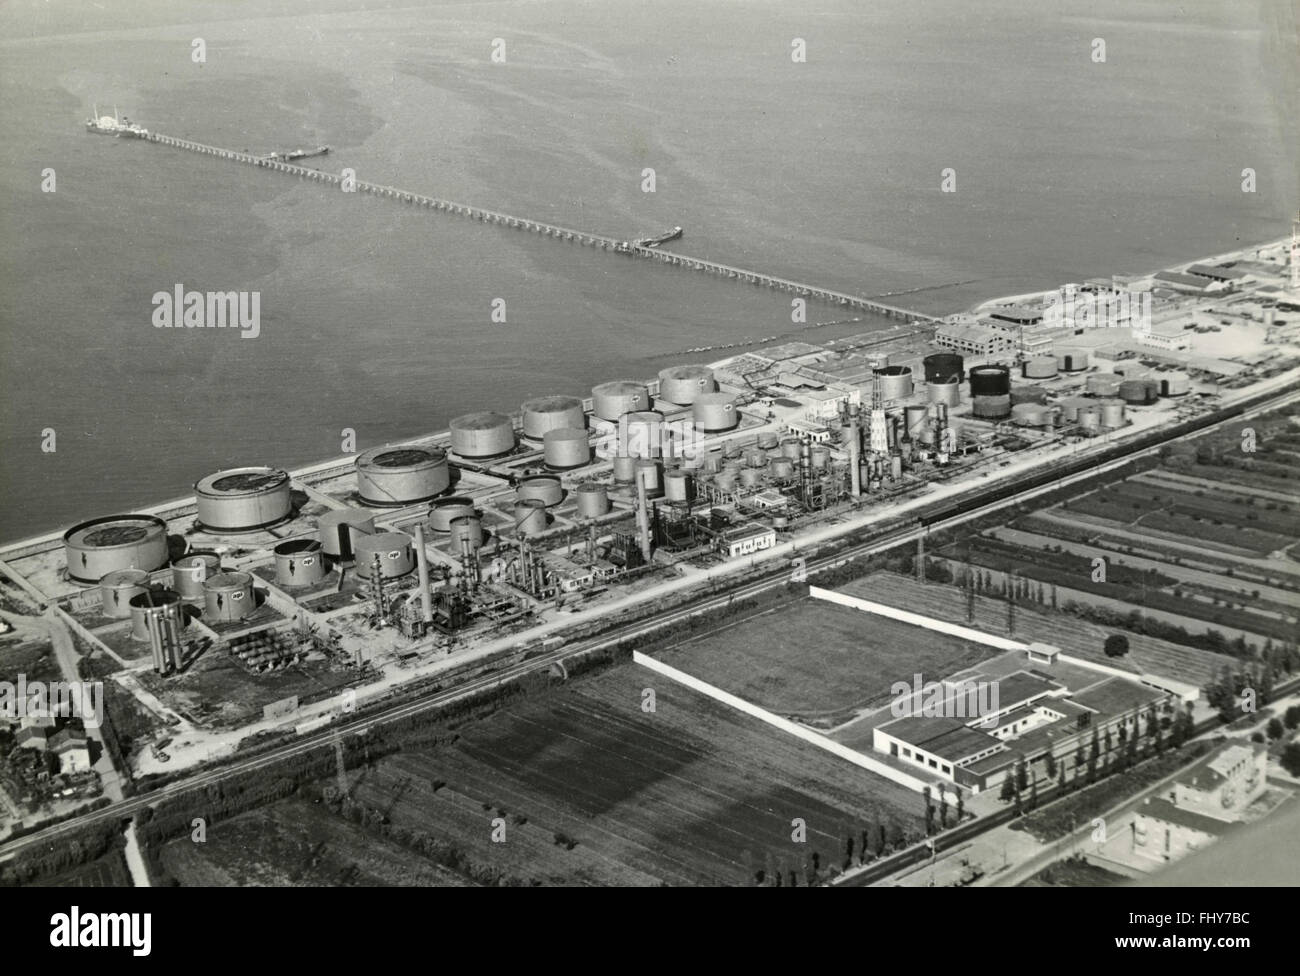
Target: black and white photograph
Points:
x,y
698,443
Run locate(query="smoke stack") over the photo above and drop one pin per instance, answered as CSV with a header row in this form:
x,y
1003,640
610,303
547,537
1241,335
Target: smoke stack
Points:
x,y
422,560
642,514
855,455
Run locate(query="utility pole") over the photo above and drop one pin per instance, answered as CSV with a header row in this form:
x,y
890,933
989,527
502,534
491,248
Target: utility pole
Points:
x,y
920,559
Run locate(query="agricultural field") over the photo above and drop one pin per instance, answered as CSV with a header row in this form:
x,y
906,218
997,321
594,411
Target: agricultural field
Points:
x,y
592,790
106,871
297,843
812,659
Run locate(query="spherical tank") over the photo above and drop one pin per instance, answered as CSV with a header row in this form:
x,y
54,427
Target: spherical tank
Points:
x,y
944,367
466,527
1112,413
191,571
551,413
679,486
545,488
715,412
624,469
396,552
593,501
1072,359
611,400
228,597
895,382
530,517
117,588
648,471
683,384
331,526
566,447
1039,368
948,393
243,499
1103,384
446,509
782,468
299,562
990,407
641,434
393,476
154,605
484,434
96,548
990,381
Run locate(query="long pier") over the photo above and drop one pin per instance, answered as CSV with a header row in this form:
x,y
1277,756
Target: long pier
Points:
x,y
584,238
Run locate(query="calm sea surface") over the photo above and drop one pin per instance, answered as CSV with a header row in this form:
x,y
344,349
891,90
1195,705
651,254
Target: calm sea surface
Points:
x,y
377,317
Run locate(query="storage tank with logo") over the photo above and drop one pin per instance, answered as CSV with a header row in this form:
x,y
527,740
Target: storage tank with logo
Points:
x,y
612,400
396,551
338,528
191,571
299,562
682,385
228,597
715,412
118,587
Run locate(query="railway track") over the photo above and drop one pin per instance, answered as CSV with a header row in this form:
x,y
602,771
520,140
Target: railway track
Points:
x,y
946,513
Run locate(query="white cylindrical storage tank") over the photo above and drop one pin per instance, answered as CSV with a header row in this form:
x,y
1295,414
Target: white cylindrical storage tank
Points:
x,y
96,548
1070,407
228,597
564,448
1174,383
1090,418
191,571
484,434
624,469
611,400
530,517
331,526
895,382
299,562
1032,414
444,510
396,551
649,471
1112,413
782,468
466,527
389,477
593,500
821,457
1072,359
551,413
791,447
679,486
545,488
641,434
915,418
243,499
1103,384
1039,368
948,394
683,384
714,412
117,588
155,605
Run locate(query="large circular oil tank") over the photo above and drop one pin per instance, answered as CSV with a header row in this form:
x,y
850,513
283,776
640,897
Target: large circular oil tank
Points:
x,y
641,434
545,488
1137,392
895,382
611,400
551,413
1103,384
648,471
944,367
530,517
393,476
948,393
1174,383
624,469
1112,413
117,588
299,562
154,605
228,597
243,499
679,486
1032,414
396,552
714,412
484,434
683,384
593,500
1071,359
332,526
466,527
990,381
191,571
446,509
564,448
990,407
96,548
782,469
1039,368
